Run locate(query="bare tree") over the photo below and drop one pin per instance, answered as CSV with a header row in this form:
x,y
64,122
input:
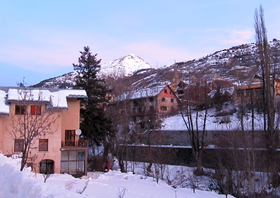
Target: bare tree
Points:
x,y
271,133
119,111
196,129
28,125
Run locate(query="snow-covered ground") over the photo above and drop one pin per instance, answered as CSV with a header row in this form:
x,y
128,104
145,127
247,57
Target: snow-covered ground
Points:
x,y
214,122
14,183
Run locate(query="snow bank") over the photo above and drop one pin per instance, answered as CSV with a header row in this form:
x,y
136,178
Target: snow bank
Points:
x,y
16,183
22,184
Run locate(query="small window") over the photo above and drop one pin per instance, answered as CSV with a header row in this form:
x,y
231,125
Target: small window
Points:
x,y
162,99
135,103
70,135
172,100
43,145
239,94
35,110
163,108
258,92
19,145
20,110
151,99
165,91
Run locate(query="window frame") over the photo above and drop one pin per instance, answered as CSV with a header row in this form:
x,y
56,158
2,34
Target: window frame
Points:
x,y
163,100
43,144
36,109
18,145
20,109
70,135
163,108
79,161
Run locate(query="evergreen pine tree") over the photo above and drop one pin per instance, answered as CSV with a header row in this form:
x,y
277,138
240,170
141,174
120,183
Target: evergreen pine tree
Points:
x,y
95,126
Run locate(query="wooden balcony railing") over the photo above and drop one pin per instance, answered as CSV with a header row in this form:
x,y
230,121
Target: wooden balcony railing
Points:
x,y
79,143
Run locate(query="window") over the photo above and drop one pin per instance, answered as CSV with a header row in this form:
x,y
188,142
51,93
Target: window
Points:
x,y
151,99
259,92
20,110
70,135
165,91
172,100
162,99
47,166
163,108
43,145
19,145
35,110
240,94
135,103
73,162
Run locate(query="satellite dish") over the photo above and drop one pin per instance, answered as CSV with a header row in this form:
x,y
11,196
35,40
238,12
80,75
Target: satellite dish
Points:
x,y
78,132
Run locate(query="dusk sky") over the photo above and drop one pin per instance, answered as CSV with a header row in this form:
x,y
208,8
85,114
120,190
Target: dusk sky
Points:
x,y
41,39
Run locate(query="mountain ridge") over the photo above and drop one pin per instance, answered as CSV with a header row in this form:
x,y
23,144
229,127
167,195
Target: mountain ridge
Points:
x,y
235,64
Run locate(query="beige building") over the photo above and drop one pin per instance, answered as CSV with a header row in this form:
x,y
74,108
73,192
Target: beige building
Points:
x,y
60,150
253,88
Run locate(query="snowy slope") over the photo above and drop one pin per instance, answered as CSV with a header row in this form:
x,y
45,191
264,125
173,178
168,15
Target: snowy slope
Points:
x,y
214,122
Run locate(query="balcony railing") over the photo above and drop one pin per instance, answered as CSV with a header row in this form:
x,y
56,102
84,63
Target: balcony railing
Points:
x,y
79,143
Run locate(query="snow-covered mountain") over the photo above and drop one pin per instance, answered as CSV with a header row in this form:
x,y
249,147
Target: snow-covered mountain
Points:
x,y
124,66
117,68
235,64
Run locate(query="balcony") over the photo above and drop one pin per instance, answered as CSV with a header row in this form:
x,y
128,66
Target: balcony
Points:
x,y
79,143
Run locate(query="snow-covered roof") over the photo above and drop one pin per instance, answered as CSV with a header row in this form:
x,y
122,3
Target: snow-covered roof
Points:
x,y
55,98
229,90
4,106
141,93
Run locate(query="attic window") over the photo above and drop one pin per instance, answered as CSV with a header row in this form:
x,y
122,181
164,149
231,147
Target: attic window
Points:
x,y
172,100
35,110
20,110
165,91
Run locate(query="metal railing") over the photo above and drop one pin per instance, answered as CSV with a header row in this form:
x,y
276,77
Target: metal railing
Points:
x,y
79,143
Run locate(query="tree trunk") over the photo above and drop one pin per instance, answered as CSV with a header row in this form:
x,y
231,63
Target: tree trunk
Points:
x,y
199,168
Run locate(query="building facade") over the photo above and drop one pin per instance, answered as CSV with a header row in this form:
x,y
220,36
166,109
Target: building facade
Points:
x,y
59,149
145,106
